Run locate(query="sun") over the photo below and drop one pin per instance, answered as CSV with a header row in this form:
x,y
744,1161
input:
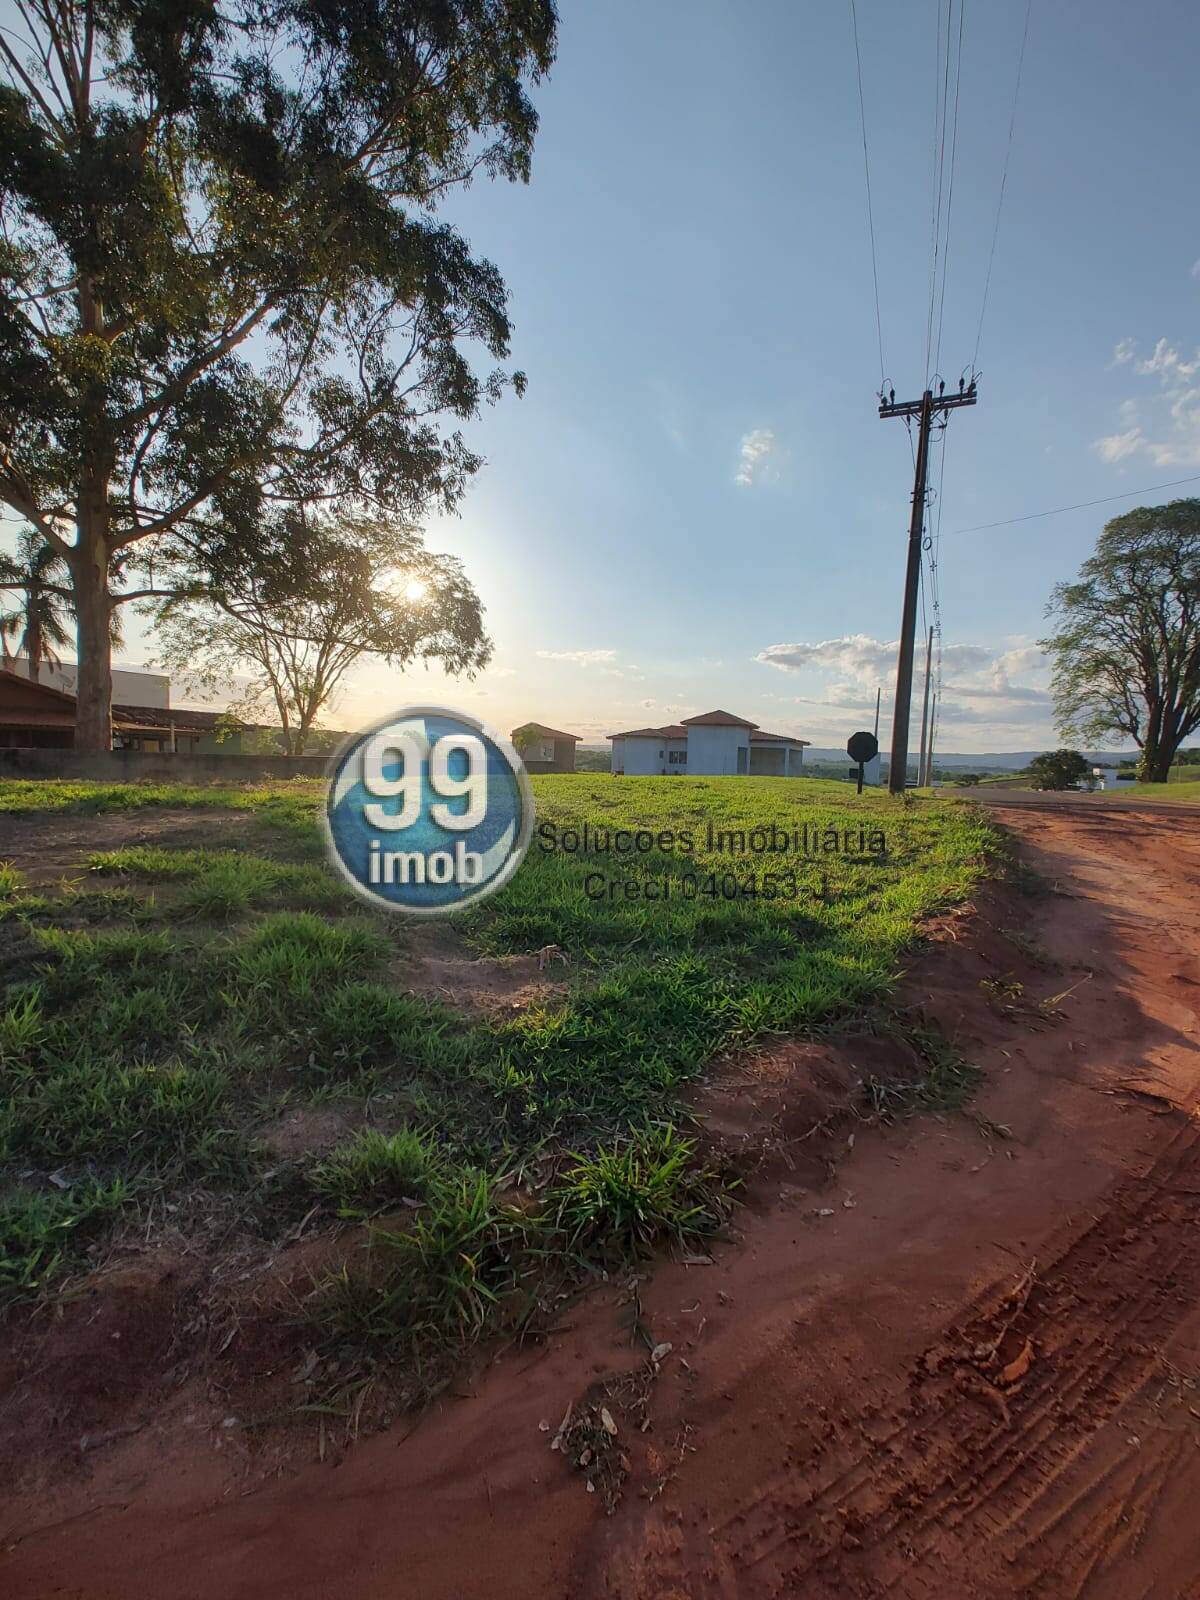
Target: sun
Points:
x,y
416,589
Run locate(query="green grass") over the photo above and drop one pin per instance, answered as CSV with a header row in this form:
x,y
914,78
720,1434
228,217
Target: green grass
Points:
x,y
296,797
152,1022
374,1170
1174,792
640,1193
436,1283
219,885
1178,791
40,1233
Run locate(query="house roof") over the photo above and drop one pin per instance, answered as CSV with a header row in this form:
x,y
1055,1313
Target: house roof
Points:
x,y
710,719
182,720
674,731
37,719
546,733
717,719
59,711
42,690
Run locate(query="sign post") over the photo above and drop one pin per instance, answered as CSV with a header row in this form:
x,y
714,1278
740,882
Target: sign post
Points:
x,y
862,747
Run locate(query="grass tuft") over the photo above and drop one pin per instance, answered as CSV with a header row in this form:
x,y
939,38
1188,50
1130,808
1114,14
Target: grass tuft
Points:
x,y
438,1281
42,1233
374,1170
639,1194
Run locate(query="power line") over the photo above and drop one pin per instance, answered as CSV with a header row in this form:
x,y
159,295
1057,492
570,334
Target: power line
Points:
x,y
1082,505
1012,122
934,551
862,113
935,558
937,356
941,98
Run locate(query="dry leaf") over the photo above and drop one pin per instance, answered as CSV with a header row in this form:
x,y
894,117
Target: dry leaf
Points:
x,y
1019,1365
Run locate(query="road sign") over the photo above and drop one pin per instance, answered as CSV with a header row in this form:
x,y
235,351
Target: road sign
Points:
x,y
862,747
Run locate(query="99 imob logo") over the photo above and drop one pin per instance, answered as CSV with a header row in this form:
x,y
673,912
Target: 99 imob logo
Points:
x,y
428,812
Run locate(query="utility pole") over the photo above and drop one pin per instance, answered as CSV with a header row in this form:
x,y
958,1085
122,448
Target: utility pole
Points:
x,y
922,775
878,696
925,409
933,716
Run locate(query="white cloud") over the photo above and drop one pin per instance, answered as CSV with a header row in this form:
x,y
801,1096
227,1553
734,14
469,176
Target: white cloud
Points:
x,y
754,457
863,660
1116,446
986,686
580,658
1168,365
1170,437
1123,353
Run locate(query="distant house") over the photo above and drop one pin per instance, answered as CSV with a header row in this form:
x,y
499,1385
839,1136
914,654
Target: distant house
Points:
x,y
714,744
35,716
545,749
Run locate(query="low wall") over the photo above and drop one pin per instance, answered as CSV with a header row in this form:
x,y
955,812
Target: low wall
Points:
x,y
133,766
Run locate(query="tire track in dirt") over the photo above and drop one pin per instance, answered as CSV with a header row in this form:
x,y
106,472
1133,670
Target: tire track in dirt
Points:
x,y
969,1467
1065,1480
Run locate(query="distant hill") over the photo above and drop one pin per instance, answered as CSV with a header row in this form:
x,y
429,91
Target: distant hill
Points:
x,y
995,760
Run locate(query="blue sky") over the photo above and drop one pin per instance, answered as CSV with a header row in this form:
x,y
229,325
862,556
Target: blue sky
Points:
x,y
691,288
697,477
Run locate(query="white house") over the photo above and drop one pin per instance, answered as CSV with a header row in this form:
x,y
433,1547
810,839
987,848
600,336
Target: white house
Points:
x,y
714,744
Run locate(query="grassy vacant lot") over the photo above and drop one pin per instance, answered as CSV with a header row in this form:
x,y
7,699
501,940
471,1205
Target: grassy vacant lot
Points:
x,y
1177,792
163,1005
1181,790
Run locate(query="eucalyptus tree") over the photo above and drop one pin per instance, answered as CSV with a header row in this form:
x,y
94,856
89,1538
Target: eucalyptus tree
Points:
x,y
225,286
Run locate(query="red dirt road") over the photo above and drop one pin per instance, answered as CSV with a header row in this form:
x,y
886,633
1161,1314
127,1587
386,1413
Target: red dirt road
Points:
x,y
946,1364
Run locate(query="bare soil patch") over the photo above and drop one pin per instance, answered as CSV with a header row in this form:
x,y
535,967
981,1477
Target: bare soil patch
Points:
x,y
438,964
306,1131
954,1357
45,846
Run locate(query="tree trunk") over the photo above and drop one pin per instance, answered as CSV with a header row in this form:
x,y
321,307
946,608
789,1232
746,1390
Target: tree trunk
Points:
x,y
93,610
33,632
1157,764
